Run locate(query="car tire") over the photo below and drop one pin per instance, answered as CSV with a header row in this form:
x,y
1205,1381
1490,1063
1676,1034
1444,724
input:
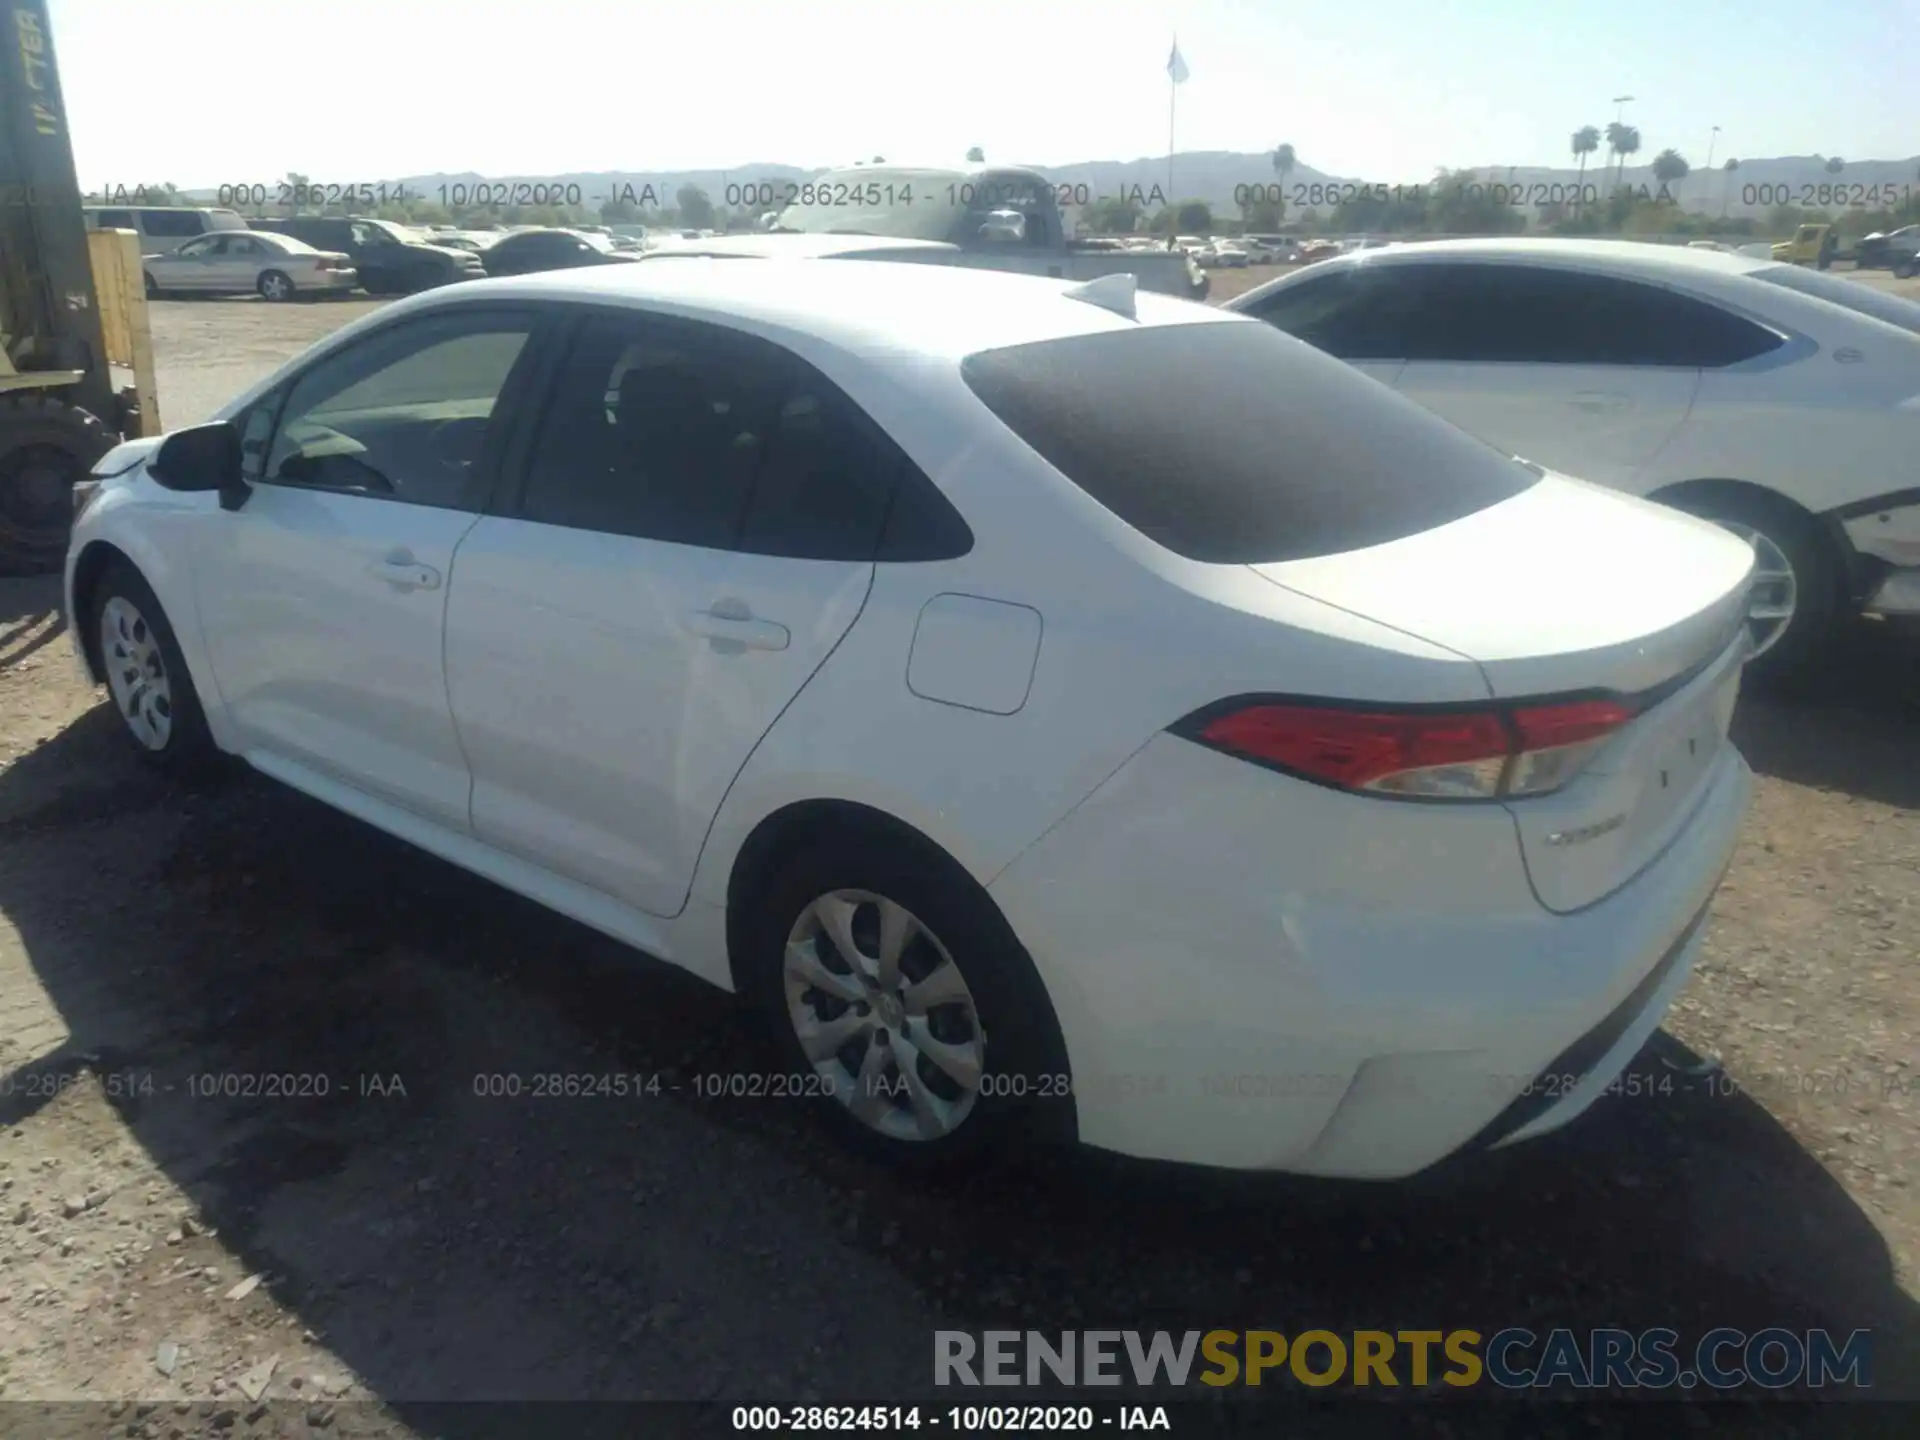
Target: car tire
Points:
x,y
46,447
276,286
997,1025
1904,269
147,677
1814,584
153,290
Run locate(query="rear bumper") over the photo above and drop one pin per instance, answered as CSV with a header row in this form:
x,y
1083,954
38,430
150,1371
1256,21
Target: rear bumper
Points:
x,y
323,282
1257,973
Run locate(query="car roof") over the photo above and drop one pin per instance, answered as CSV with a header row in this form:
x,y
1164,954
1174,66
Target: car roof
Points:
x,y
877,308
794,244
1619,255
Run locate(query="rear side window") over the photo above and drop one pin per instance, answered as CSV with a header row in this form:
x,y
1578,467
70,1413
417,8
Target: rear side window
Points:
x,y
225,220
1511,314
1848,294
171,223
703,436
1235,444
115,220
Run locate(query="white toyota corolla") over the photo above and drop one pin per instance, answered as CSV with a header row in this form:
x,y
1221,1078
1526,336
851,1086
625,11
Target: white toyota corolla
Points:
x,y
1050,706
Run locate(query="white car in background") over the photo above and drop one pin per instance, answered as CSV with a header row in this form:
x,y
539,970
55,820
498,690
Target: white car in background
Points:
x,y
1778,401
241,262
1230,254
1349,791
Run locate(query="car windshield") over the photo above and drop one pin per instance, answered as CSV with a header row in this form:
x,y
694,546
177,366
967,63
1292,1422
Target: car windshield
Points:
x,y
1213,466
1849,294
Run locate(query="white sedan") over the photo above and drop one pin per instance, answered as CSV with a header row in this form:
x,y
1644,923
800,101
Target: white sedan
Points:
x,y
1778,401
1058,709
242,262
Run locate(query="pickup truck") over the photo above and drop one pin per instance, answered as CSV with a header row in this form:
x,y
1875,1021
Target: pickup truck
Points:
x,y
994,219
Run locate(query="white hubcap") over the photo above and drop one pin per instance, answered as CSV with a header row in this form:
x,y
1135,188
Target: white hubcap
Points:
x,y
1776,591
136,673
884,1015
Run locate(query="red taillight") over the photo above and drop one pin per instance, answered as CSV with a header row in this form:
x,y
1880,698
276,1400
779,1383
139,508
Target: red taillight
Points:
x,y
1477,754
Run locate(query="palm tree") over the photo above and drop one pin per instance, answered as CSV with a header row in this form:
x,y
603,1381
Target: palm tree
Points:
x,y
1283,161
1726,186
1586,140
1670,168
1627,143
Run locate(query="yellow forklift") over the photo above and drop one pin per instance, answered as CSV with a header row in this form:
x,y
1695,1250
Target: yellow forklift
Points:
x,y
72,308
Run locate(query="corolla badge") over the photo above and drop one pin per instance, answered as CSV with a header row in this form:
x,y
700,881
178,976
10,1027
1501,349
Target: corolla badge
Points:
x,y
1587,832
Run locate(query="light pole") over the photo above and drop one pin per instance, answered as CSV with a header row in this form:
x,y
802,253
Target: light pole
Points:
x,y
1620,102
1707,169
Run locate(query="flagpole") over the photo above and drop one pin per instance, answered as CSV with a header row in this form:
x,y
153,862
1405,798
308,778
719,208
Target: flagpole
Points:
x,y
1173,96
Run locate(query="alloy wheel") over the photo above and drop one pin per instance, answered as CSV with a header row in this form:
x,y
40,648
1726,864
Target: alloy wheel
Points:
x,y
276,287
1776,589
136,672
884,1015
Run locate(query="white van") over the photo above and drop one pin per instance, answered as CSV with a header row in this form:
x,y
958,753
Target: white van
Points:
x,y
163,229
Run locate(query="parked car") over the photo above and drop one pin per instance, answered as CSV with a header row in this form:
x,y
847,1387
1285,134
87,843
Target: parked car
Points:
x,y
163,228
532,250
1312,252
703,603
391,259
1706,381
1815,245
1895,249
240,262
1230,254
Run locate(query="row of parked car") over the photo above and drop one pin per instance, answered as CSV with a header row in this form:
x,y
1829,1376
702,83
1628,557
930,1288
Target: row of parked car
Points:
x,y
208,250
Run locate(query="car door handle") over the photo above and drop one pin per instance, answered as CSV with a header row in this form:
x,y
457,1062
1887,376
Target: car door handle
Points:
x,y
1599,400
405,574
735,623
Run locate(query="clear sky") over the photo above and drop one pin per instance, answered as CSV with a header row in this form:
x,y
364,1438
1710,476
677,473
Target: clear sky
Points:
x,y
203,92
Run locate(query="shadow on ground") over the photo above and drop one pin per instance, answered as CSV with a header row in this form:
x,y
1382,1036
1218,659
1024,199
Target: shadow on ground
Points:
x,y
449,1242
1852,726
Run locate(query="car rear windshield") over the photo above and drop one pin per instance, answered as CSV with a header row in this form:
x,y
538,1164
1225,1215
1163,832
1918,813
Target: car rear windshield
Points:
x,y
1236,444
1849,294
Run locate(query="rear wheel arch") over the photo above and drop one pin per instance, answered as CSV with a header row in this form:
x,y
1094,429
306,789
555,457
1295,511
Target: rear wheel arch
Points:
x,y
791,828
1697,497
818,845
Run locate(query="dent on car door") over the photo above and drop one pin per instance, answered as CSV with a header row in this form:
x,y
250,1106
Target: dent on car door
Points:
x,y
695,531
323,597
1584,373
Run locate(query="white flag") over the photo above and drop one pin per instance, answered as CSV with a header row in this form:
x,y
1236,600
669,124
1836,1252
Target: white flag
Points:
x,y
1176,67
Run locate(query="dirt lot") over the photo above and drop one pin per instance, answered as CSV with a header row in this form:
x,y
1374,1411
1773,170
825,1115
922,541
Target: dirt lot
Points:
x,y
417,1242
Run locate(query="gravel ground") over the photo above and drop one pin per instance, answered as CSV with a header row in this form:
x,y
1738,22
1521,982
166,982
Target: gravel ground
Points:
x,y
416,1242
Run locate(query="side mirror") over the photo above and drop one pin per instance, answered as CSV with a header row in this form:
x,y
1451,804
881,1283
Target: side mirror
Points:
x,y
202,457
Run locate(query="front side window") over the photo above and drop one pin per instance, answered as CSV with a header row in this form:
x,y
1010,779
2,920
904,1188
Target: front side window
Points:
x,y
403,414
703,436
196,249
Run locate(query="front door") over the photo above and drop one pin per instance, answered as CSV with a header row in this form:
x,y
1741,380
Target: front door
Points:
x,y
323,598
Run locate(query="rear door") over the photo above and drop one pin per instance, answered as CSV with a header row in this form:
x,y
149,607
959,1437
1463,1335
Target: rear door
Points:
x,y
694,529
1584,373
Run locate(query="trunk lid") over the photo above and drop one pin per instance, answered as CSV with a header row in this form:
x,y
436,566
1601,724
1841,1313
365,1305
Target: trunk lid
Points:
x,y
1564,590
